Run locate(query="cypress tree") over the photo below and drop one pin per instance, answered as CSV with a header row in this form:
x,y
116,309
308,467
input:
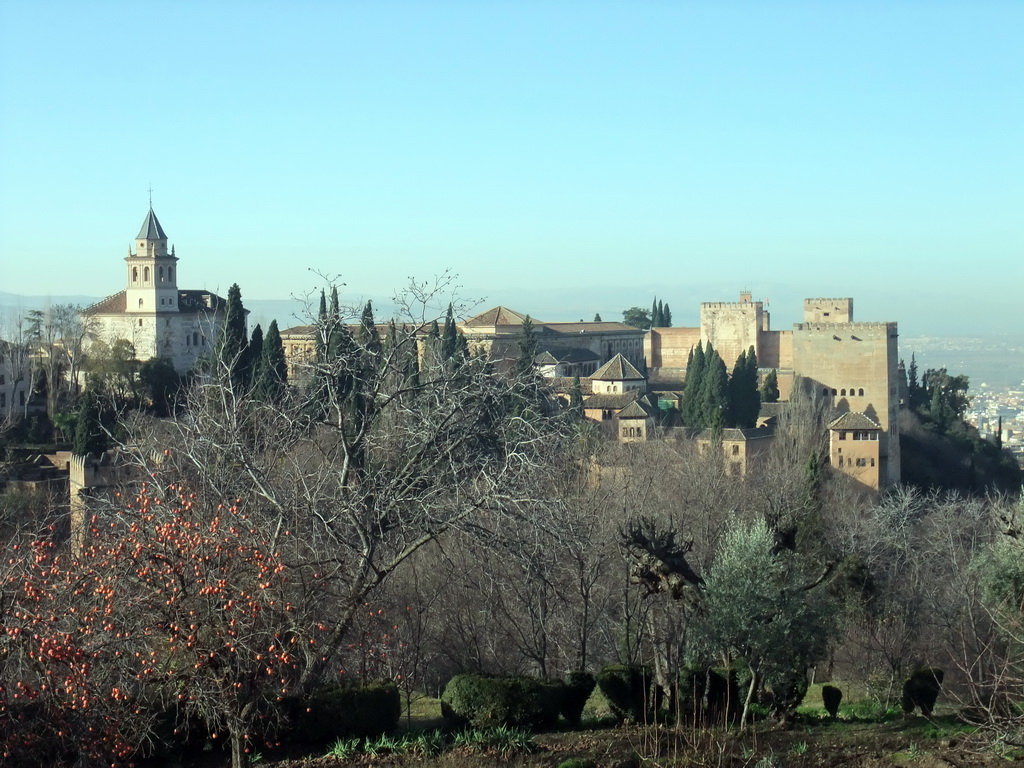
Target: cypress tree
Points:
x,y
666,316
273,376
655,316
233,342
90,436
733,406
770,387
449,339
254,357
527,349
915,395
320,337
369,339
714,390
744,399
597,317
690,406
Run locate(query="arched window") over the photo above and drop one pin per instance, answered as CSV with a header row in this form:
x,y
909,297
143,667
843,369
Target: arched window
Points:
x,y
824,392
135,274
145,274
161,274
195,339
170,274
842,392
140,307
860,392
833,393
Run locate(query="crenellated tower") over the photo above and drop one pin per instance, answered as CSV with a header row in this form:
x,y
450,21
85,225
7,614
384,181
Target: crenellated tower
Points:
x,y
152,271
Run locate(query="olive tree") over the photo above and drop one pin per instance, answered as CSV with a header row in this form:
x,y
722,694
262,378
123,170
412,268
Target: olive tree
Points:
x,y
758,607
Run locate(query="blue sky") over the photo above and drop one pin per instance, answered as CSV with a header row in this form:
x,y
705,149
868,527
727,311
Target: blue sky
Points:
x,y
561,157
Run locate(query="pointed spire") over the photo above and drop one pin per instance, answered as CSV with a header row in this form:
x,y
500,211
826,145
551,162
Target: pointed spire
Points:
x,y
151,229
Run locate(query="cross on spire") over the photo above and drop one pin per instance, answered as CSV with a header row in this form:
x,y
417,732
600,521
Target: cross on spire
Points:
x,y
151,195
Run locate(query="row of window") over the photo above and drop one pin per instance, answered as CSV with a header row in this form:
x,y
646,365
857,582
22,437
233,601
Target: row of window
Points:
x,y
145,274
632,432
865,435
860,462
826,392
195,340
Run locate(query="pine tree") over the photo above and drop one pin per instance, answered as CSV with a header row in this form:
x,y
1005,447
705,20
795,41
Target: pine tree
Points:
x,y
597,317
770,387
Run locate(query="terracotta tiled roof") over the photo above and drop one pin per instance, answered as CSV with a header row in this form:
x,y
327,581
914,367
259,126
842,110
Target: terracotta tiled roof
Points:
x,y
552,356
733,434
496,316
638,409
189,301
854,420
618,369
611,400
590,327
112,305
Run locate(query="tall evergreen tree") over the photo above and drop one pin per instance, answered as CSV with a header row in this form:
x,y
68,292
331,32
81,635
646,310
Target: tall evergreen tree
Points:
x,y
915,396
597,317
666,317
92,426
273,369
449,338
714,390
527,349
254,356
690,406
233,342
770,387
369,338
320,338
744,399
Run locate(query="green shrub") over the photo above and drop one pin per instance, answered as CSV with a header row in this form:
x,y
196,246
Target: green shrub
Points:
x,y
628,690
831,698
338,711
486,702
578,687
921,690
789,690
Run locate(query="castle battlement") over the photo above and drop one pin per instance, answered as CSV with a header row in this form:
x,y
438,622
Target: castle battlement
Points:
x,y
844,326
730,304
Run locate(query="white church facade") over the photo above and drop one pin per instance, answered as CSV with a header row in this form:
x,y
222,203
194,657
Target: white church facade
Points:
x,y
158,318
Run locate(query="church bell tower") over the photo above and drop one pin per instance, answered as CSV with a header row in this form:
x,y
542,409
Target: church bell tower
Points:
x,y
152,271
